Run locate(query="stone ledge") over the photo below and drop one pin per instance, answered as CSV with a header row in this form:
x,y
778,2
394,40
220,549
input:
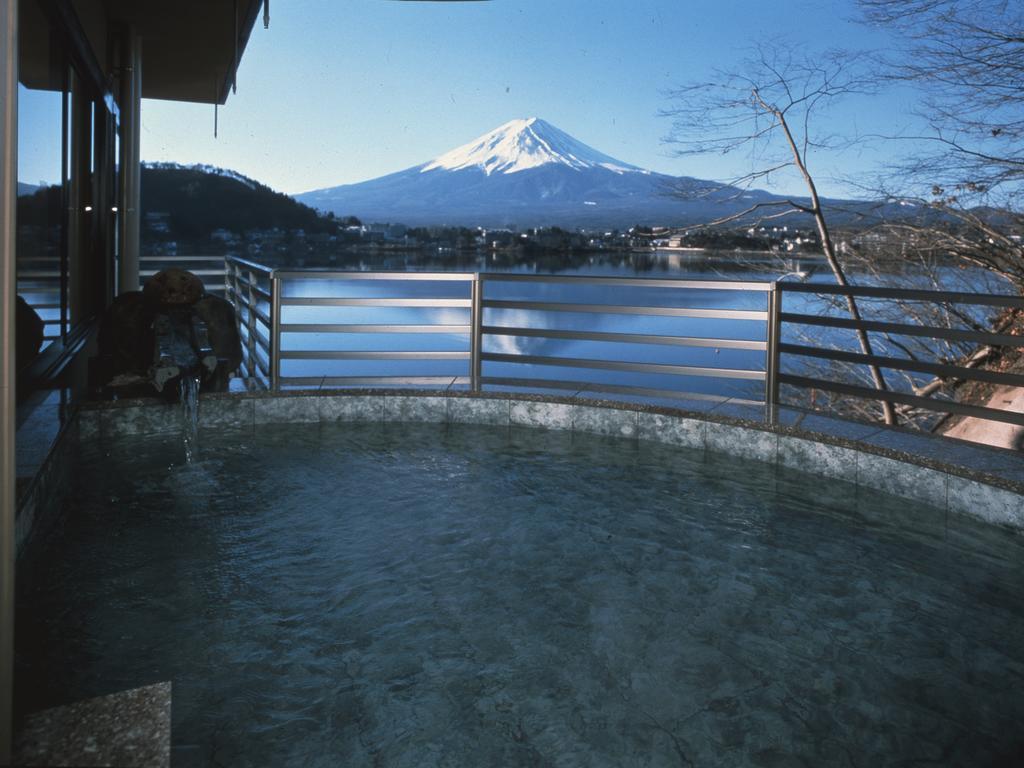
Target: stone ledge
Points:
x,y
131,729
978,481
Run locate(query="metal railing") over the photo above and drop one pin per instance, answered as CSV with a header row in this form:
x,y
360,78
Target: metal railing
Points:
x,y
251,288
941,370
489,330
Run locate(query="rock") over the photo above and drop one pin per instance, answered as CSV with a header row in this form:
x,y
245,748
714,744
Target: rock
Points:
x,y
222,331
173,287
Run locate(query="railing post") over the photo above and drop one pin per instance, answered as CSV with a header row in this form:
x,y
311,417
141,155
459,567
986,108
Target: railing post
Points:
x,y
236,299
773,332
275,331
252,324
476,332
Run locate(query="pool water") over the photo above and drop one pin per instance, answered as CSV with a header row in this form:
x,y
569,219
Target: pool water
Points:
x,y
403,595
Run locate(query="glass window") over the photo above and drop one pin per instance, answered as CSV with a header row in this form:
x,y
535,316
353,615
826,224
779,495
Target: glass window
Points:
x,y
42,183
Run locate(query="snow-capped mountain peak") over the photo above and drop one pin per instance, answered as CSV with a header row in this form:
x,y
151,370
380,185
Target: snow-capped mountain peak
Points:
x,y
519,145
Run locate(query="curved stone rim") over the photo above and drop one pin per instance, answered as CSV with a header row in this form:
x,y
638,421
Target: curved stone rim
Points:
x,y
987,483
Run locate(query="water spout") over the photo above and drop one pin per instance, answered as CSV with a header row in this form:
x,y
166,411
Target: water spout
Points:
x,y
189,396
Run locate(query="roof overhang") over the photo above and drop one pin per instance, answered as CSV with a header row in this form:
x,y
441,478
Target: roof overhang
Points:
x,y
190,48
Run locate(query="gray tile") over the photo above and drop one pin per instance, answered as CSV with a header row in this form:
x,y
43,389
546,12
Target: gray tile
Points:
x,y
911,516
674,430
285,410
413,408
818,458
548,415
158,418
351,408
994,505
835,494
741,441
226,413
902,479
604,421
469,410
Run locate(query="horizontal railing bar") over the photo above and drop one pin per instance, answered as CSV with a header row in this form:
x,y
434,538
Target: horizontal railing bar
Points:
x,y
245,309
370,381
713,285
245,264
244,286
38,274
242,283
910,294
322,302
196,272
207,287
952,334
251,359
342,276
625,338
355,328
620,309
157,259
262,342
942,406
618,389
313,354
903,364
615,365
241,291
43,306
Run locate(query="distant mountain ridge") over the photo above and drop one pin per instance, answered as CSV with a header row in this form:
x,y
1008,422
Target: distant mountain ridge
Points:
x,y
26,189
200,199
528,173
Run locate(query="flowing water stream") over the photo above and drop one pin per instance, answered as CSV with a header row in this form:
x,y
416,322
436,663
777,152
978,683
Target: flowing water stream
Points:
x,y
189,397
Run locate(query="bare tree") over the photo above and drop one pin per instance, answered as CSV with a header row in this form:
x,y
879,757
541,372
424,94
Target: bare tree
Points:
x,y
766,108
967,58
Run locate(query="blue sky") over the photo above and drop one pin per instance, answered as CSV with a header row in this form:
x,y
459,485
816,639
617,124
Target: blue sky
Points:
x,y
338,92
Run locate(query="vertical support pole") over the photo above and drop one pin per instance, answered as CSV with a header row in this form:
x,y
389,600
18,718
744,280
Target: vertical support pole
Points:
x,y
251,344
78,220
476,323
774,330
275,331
8,291
131,170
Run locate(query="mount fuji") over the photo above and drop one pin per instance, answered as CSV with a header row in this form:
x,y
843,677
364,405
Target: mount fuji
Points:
x,y
528,173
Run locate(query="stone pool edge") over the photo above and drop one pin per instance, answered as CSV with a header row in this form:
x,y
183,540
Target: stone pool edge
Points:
x,y
893,462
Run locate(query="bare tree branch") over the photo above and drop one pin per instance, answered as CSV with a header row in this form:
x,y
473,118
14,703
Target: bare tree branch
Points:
x,y
757,108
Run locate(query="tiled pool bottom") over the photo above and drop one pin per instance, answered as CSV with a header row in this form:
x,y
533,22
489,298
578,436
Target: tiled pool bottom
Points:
x,y
419,595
